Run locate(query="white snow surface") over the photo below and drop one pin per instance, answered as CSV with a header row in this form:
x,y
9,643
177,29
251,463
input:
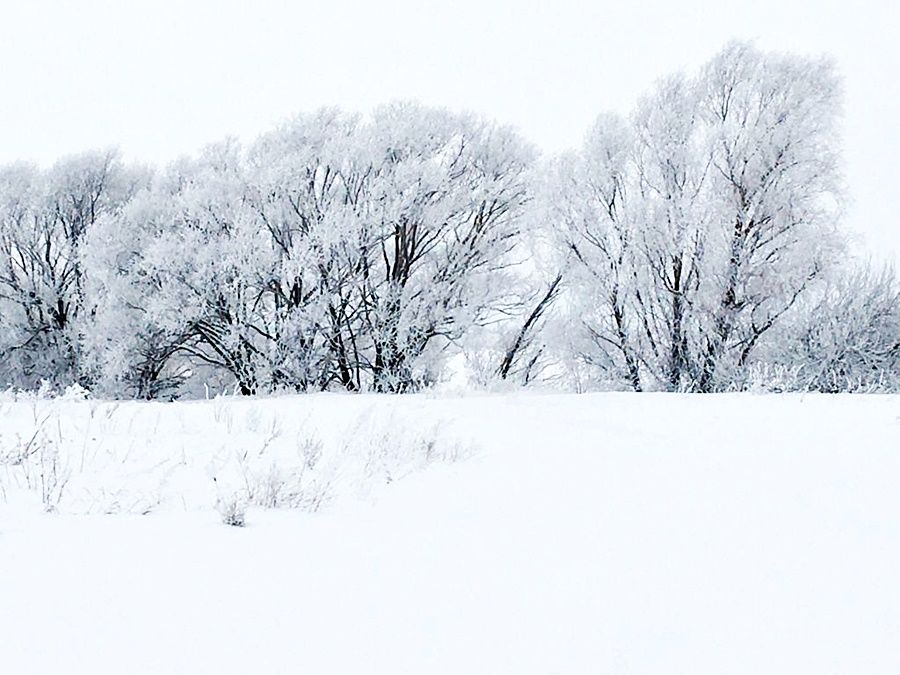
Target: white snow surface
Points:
x,y
602,533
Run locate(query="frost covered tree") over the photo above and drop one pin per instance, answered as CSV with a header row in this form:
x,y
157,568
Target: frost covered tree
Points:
x,y
443,212
186,287
672,227
585,198
698,224
306,180
137,324
774,186
395,229
44,218
195,285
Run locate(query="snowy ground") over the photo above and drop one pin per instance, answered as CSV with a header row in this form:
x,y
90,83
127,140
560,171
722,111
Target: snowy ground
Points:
x,y
438,534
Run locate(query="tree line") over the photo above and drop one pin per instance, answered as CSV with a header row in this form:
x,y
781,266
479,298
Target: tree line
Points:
x,y
693,245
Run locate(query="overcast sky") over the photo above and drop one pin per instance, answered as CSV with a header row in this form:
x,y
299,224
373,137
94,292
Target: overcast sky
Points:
x,y
161,78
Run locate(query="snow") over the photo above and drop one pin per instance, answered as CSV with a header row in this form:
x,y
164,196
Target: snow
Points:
x,y
575,534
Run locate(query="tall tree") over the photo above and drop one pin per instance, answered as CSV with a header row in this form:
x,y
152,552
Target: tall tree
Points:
x,y
699,225
44,218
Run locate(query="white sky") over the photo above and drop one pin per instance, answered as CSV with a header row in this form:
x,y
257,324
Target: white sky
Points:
x,y
162,78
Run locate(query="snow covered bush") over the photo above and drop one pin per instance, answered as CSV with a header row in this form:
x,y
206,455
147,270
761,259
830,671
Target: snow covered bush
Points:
x,y
232,509
385,451
35,463
304,482
849,336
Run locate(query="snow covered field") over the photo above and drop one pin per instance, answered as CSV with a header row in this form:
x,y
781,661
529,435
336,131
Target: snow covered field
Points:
x,y
519,533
